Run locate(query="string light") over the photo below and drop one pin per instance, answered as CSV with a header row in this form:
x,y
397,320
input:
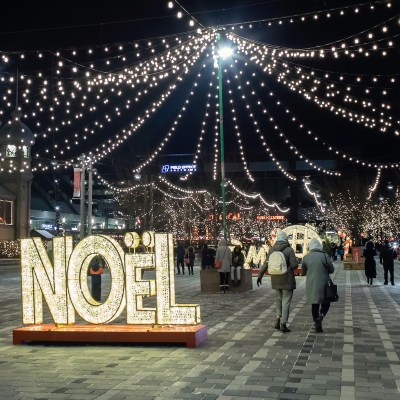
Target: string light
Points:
x,y
238,134
257,196
308,16
171,130
291,147
266,146
374,186
307,184
202,131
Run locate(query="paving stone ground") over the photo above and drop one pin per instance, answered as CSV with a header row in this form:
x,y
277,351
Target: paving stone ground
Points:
x,y
357,356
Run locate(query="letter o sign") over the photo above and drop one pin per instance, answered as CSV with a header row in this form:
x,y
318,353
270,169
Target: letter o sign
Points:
x,y
88,308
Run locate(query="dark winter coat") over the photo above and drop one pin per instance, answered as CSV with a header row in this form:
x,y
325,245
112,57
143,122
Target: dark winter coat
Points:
x,y
191,256
370,263
286,281
180,252
205,260
317,266
237,259
387,256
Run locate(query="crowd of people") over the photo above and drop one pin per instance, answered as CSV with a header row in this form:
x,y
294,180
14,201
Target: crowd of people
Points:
x,y
316,266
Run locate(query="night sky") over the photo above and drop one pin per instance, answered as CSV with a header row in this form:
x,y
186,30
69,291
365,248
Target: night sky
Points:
x,y
63,27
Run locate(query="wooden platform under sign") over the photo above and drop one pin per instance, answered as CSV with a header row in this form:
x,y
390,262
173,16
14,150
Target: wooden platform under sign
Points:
x,y
191,335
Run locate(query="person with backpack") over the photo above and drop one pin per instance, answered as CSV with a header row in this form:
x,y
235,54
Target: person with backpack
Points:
x,y
281,263
316,267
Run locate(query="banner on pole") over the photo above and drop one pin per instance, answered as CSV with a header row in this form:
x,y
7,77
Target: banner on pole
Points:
x,y
77,183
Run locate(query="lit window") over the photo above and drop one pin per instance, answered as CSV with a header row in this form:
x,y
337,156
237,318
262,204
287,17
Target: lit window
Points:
x,y
6,212
11,151
25,151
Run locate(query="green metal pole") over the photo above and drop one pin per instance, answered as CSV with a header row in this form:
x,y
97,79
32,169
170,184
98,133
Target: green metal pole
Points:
x,y
221,142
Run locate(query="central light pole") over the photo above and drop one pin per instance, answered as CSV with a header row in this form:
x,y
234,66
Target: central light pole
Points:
x,y
223,53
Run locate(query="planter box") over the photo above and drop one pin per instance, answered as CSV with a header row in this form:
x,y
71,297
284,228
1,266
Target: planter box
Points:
x,y
209,281
353,265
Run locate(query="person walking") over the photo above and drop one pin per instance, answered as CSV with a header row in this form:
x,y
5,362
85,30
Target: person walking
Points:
x,y
237,265
316,266
190,256
283,284
340,251
387,256
180,255
224,254
369,262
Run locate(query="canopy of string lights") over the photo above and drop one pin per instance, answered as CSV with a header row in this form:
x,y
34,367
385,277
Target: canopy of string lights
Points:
x,y
307,89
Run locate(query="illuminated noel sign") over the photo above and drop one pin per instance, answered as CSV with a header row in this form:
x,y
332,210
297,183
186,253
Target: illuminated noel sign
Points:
x,y
63,284
184,168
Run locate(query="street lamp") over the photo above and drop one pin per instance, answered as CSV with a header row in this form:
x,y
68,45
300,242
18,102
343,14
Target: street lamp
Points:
x,y
223,53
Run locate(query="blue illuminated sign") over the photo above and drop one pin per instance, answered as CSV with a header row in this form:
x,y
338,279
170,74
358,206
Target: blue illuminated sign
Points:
x,y
184,168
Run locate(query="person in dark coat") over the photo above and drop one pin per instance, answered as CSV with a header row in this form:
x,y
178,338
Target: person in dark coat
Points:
x,y
95,272
327,248
333,251
317,266
237,265
180,255
387,257
210,258
340,251
370,265
206,261
283,284
190,256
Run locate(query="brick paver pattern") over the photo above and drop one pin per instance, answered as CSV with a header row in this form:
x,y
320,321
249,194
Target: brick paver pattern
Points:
x,y
357,356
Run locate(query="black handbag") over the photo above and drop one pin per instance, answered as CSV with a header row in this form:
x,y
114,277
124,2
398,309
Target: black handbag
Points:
x,y
331,294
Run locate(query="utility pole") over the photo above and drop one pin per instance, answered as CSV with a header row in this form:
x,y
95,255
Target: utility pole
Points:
x,y
221,140
151,204
90,196
82,208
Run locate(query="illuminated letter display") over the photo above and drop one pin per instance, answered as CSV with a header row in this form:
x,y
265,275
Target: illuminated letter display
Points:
x,y
62,282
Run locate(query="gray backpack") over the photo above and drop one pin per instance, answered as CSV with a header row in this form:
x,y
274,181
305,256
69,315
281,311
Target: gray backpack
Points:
x,y
277,263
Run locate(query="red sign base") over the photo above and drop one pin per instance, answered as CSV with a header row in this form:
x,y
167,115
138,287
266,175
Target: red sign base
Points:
x,y
192,335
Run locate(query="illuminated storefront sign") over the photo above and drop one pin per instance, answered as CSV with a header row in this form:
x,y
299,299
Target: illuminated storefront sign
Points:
x,y
229,216
64,285
183,168
271,217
